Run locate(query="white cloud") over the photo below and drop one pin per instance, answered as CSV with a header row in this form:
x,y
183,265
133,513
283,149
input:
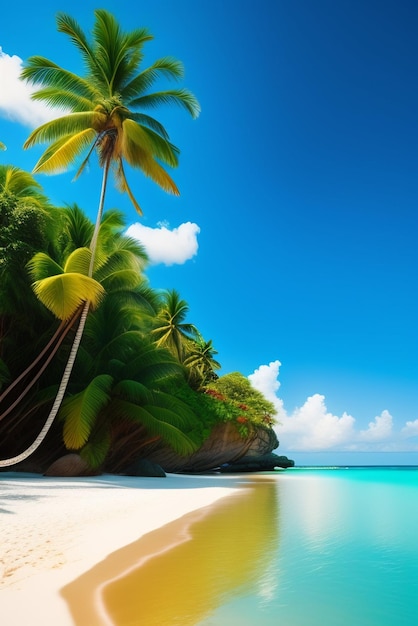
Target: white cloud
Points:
x,y
410,429
378,430
311,427
265,379
167,246
15,95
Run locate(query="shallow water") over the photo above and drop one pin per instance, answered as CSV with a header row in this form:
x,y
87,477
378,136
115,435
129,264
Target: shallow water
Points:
x,y
305,547
348,553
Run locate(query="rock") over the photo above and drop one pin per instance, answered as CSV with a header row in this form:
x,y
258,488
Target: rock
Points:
x,y
144,467
70,465
224,445
261,463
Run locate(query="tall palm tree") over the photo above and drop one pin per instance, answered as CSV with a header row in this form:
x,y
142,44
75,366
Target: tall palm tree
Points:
x,y
105,114
171,330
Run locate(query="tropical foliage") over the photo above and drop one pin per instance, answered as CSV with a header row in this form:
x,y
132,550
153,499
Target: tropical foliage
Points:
x,y
103,112
74,297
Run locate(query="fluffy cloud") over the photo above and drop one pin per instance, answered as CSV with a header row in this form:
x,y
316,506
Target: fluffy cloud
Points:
x,y
15,95
410,429
312,427
378,430
167,246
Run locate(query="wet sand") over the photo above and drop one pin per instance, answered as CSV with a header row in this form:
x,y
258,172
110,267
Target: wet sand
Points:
x,y
55,530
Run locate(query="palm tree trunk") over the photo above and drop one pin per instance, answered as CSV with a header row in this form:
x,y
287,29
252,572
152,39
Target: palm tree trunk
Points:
x,y
76,343
57,339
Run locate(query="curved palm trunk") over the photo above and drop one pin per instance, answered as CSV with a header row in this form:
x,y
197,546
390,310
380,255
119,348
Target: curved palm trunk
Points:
x,y
76,343
57,339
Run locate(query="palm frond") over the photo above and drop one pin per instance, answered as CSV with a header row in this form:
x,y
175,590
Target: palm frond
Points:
x,y
122,184
151,365
96,449
81,411
68,25
41,266
151,142
150,418
63,152
64,293
43,72
78,261
146,120
121,280
181,97
63,99
167,67
64,126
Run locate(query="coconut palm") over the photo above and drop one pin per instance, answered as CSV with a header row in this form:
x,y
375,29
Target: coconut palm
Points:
x,y
21,185
201,363
171,330
105,113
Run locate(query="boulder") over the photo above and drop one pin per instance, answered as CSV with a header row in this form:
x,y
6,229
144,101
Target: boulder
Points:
x,y
144,467
70,465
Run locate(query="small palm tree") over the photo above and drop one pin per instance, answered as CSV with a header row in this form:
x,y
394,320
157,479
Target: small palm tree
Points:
x,y
200,362
171,330
21,185
106,115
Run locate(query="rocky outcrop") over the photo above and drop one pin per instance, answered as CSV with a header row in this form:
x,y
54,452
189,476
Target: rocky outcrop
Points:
x,y
224,445
225,450
262,463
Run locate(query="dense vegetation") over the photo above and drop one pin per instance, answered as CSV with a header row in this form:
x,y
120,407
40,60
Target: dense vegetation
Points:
x,y
83,336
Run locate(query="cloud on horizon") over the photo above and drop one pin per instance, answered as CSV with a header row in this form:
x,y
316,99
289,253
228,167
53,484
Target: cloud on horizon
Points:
x,y
15,95
170,247
312,428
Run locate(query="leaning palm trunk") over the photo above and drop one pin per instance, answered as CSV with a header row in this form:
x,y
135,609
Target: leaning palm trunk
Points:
x,y
74,348
52,348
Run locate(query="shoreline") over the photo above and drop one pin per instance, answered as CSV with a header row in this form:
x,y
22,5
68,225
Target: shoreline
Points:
x,y
54,530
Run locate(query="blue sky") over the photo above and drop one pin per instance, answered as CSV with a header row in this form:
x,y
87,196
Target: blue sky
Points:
x,y
294,238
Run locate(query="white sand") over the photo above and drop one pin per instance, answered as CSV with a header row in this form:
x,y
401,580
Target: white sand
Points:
x,y
52,530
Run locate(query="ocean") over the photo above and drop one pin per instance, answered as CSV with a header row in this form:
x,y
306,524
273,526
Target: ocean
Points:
x,y
301,547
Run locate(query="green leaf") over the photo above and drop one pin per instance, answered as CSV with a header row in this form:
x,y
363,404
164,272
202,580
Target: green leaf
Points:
x,y
64,293
81,411
78,261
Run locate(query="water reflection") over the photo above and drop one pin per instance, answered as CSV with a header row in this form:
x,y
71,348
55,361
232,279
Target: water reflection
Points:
x,y
230,555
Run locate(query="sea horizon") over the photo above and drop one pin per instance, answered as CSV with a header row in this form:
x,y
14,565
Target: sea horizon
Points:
x,y
332,458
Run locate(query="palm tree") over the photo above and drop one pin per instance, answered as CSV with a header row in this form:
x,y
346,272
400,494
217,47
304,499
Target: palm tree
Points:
x,y
105,114
201,363
21,185
62,290
171,330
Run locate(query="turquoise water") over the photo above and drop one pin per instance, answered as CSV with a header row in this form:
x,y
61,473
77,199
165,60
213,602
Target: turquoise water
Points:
x,y
345,552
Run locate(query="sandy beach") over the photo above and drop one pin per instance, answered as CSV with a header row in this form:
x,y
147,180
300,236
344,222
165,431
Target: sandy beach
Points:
x,y
54,530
